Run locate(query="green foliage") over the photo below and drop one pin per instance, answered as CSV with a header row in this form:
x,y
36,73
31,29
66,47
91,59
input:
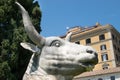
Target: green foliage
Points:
x,y
13,58
5,71
89,68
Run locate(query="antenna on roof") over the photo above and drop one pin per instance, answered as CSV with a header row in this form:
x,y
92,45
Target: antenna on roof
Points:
x,y
98,24
67,28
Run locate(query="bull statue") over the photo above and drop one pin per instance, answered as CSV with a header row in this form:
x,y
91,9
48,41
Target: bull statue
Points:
x,y
54,58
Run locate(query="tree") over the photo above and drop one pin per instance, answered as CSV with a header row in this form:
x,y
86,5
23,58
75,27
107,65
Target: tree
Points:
x,y
13,58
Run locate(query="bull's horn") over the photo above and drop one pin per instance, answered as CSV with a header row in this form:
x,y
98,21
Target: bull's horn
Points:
x,y
68,37
29,28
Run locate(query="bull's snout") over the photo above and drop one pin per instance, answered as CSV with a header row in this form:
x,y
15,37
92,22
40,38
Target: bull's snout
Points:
x,y
92,52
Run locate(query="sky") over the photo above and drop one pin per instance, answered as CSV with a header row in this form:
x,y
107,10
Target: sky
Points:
x,y
58,15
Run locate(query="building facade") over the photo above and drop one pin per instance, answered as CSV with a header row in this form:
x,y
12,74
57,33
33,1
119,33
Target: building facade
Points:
x,y
104,39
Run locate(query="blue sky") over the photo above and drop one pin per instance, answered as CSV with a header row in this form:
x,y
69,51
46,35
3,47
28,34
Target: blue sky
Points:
x,y
59,14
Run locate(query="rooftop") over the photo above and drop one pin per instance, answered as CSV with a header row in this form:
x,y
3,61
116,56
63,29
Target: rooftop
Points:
x,y
81,30
99,72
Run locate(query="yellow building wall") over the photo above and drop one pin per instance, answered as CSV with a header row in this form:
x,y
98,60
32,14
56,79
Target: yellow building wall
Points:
x,y
96,43
94,33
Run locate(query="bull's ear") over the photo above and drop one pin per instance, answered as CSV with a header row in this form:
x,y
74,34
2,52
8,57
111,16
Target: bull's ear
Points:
x,y
30,47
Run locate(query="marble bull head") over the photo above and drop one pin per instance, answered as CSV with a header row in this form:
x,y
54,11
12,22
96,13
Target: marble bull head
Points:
x,y
53,55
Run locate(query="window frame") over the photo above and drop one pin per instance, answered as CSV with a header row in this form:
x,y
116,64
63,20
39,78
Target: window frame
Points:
x,y
77,42
102,37
88,40
112,77
103,47
104,57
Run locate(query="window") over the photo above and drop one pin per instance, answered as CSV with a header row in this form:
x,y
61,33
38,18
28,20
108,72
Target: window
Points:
x,y
105,68
117,57
112,77
119,41
100,79
104,57
102,37
77,42
116,39
118,49
113,37
103,47
114,46
88,41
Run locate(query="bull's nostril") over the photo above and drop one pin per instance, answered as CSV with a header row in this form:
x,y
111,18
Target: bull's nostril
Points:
x,y
89,51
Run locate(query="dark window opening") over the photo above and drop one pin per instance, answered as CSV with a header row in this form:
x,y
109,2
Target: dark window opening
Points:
x,y
118,49
113,37
112,77
102,37
77,42
114,46
88,41
100,79
119,41
117,57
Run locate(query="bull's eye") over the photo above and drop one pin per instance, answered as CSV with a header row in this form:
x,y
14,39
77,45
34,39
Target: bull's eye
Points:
x,y
56,43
